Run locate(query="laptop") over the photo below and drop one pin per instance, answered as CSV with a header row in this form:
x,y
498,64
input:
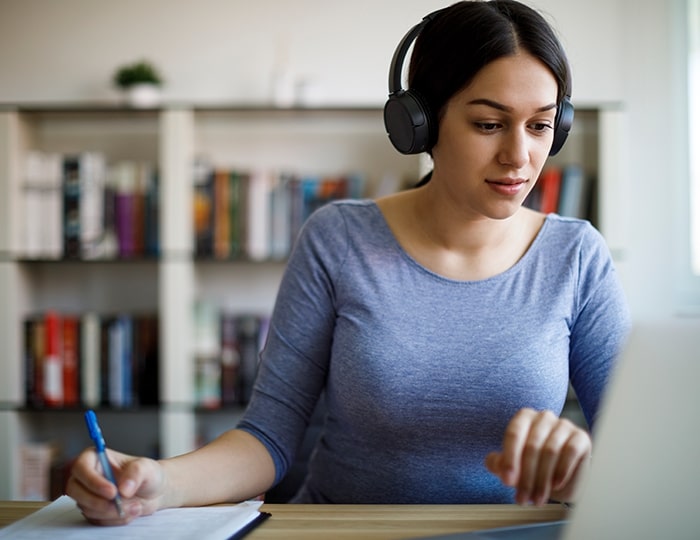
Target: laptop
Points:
x,y
644,482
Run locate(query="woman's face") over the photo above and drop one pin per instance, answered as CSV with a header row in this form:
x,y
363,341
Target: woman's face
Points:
x,y
495,136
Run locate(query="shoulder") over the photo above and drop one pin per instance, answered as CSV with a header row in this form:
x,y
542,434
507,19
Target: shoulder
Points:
x,y
344,217
331,229
573,233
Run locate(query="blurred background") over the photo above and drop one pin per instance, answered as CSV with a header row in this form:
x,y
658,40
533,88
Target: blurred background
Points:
x,y
294,86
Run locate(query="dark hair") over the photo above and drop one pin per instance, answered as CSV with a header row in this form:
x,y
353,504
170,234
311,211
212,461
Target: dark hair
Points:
x,y
463,38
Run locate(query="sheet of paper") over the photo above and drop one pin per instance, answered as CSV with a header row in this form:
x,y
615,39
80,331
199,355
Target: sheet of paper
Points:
x,y
62,519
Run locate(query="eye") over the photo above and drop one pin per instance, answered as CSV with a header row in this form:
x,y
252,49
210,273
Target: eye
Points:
x,y
540,127
487,126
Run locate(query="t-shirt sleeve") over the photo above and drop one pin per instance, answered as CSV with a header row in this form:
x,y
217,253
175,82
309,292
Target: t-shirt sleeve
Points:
x,y
601,324
294,360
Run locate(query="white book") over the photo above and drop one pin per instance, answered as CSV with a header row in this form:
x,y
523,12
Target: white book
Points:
x,y
92,185
258,241
52,207
90,350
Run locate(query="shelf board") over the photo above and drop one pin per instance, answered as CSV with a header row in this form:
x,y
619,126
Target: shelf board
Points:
x,y
116,107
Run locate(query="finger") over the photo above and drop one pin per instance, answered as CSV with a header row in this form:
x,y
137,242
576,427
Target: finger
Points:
x,y
550,460
493,463
88,473
575,451
540,428
513,443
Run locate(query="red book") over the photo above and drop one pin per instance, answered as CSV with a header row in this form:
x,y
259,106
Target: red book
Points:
x,y
71,378
550,184
53,366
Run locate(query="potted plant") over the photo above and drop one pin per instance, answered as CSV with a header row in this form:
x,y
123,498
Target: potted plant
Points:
x,y
141,82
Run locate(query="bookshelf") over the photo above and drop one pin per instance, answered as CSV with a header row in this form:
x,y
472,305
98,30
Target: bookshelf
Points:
x,y
327,141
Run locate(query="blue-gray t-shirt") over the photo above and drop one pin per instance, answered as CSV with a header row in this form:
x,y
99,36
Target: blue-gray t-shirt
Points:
x,y
422,373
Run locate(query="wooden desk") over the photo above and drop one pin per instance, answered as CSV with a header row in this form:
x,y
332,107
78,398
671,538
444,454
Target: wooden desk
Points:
x,y
366,522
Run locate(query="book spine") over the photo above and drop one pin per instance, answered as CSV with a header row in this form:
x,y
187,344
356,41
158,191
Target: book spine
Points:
x,y
35,470
230,360
258,216
52,203
153,215
234,205
52,368
146,352
71,381
116,363
71,207
33,353
222,215
125,184
203,213
248,339
91,204
90,359
550,181
127,372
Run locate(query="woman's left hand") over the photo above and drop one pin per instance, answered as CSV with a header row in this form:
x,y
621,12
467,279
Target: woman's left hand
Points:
x,y
543,456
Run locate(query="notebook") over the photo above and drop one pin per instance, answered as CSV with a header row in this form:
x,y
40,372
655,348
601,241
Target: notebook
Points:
x,y
645,479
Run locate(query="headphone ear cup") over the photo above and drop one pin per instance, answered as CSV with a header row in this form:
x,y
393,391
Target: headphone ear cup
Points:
x,y
409,123
562,124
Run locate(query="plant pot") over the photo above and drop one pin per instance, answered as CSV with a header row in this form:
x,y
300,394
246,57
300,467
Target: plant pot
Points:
x,y
143,96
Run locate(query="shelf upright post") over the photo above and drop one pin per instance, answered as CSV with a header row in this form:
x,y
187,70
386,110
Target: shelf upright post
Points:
x,y
176,282
11,380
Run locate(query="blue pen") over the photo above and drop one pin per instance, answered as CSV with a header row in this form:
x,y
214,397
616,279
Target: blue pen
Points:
x,y
98,440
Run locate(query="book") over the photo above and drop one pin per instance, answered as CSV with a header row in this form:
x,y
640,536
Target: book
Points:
x,y
83,187
222,214
62,518
35,471
258,222
574,196
52,369
248,336
125,212
152,209
550,184
70,360
203,211
146,355
207,355
90,359
230,360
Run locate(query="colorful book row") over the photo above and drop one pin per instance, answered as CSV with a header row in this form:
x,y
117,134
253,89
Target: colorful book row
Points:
x,y
257,214
79,207
91,360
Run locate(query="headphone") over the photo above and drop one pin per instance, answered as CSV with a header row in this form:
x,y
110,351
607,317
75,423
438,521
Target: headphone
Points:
x,y
412,126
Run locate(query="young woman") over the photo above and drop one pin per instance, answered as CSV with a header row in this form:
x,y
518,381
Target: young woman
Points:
x,y
443,323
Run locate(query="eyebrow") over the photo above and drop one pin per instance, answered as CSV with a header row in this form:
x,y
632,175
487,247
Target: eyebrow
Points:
x,y
506,108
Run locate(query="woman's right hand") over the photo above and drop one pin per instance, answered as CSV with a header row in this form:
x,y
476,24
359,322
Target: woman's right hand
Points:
x,y
141,483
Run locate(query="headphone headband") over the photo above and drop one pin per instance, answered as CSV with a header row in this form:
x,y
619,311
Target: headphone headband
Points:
x,y
401,51
408,119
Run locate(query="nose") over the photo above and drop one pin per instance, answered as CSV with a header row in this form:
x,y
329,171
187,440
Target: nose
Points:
x,y
514,150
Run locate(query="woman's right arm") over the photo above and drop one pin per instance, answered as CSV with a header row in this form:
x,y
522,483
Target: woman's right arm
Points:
x,y
233,467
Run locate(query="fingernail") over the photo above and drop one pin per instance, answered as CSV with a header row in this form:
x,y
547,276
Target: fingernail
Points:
x,y
134,510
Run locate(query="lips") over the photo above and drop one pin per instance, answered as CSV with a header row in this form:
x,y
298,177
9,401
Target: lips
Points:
x,y
507,186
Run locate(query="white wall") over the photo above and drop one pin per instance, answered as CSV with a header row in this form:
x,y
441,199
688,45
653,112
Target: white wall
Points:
x,y
225,50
